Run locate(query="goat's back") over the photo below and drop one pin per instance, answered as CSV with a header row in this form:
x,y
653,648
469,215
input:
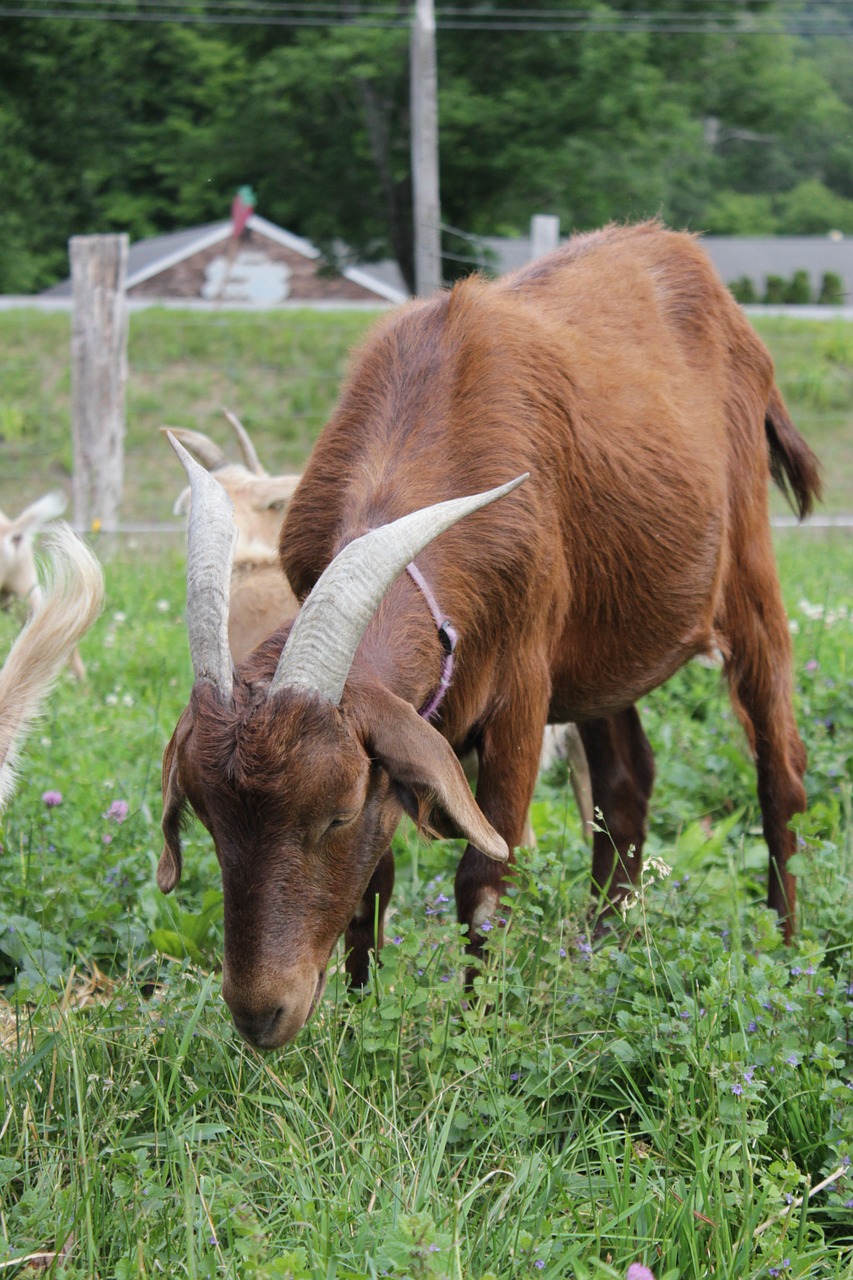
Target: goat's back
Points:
x,y
619,372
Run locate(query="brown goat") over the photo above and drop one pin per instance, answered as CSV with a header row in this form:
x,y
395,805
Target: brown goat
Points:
x,y
261,599
623,377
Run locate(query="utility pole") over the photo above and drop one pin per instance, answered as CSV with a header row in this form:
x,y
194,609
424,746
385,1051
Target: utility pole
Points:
x,y
424,112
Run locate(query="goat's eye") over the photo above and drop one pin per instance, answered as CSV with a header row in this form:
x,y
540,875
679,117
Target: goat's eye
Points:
x,y
342,820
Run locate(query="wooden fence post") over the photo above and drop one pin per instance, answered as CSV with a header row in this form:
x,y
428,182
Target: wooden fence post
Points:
x,y
98,377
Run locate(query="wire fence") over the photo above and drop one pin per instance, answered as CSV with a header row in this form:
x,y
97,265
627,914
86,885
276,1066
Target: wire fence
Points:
x,y
280,372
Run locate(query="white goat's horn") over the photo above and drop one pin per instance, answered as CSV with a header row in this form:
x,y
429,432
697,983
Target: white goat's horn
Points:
x,y
211,539
201,447
329,626
247,449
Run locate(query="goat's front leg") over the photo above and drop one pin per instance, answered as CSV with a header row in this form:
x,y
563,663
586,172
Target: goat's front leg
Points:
x,y
366,930
622,769
508,766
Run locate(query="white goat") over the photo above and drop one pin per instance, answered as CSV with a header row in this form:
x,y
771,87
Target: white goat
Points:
x,y
261,598
62,614
18,575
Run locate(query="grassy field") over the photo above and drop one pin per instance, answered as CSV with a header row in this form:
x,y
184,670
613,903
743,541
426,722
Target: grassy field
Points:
x,y
281,373
678,1096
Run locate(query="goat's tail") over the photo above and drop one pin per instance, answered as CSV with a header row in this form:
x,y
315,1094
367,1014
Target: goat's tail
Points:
x,y
71,603
793,466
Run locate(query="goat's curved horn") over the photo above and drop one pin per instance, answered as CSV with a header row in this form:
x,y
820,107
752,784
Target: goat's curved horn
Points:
x,y
247,449
329,626
211,539
205,450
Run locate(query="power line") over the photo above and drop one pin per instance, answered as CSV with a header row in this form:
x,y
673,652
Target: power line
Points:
x,y
786,18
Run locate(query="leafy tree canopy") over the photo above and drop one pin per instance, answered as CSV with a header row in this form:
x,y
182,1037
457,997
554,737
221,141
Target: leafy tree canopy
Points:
x,y
151,126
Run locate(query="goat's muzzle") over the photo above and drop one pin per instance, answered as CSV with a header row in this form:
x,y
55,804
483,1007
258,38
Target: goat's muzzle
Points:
x,y
270,1015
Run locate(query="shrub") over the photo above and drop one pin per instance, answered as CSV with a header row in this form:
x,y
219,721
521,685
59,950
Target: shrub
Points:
x,y
775,289
744,290
799,290
831,290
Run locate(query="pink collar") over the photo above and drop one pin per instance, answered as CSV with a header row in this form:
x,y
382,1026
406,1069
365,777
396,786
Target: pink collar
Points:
x,y
446,634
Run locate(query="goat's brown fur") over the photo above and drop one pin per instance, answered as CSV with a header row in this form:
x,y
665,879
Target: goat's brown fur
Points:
x,y
621,374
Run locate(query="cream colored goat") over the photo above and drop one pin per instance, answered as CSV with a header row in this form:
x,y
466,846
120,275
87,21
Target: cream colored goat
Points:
x,y
64,611
261,598
18,574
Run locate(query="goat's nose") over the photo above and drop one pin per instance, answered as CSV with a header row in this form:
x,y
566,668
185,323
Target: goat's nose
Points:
x,y
262,1029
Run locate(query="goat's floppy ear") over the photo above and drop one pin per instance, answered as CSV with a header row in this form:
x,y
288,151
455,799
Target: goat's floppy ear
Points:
x,y
174,804
424,769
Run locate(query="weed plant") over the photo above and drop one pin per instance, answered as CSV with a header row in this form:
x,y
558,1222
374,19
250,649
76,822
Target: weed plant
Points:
x,y
676,1096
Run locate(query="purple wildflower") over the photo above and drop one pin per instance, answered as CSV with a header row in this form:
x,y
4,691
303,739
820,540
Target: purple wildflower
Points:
x,y
513,1075
753,1025
397,940
52,798
637,1271
737,1089
748,1074
812,664
485,927
792,1060
848,1204
117,811
539,1264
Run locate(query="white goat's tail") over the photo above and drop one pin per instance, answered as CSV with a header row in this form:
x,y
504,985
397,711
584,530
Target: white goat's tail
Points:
x,y
71,603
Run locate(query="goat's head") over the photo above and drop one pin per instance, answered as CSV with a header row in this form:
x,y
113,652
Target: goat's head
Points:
x,y
18,575
299,771
260,500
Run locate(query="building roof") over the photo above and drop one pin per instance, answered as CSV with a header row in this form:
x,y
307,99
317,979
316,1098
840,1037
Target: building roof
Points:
x,y
157,258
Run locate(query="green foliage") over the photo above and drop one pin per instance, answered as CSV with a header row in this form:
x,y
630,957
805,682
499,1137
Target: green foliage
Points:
x,y
743,290
831,290
732,213
675,1093
162,122
775,290
799,291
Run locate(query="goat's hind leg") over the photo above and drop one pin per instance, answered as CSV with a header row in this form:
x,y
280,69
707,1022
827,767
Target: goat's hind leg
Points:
x,y
622,771
759,671
366,931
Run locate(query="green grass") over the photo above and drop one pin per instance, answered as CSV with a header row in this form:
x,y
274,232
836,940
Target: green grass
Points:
x,y
672,1096
281,374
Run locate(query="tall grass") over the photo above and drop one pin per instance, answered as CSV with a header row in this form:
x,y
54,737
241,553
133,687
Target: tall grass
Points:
x,y
677,1095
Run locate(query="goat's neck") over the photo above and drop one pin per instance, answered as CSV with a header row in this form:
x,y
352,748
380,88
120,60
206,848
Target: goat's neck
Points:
x,y
402,647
